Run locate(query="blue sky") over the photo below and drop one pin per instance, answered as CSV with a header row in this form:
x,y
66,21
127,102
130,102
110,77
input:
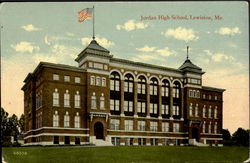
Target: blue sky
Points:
x,y
34,32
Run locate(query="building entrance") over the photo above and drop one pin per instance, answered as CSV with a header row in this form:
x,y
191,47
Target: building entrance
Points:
x,y
195,133
98,129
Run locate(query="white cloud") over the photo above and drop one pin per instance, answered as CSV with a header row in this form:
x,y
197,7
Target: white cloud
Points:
x,y
218,57
181,33
165,52
54,39
152,53
25,47
228,31
131,25
146,48
102,41
30,28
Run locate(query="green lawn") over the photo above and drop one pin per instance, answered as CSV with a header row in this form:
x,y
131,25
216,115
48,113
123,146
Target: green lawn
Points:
x,y
125,154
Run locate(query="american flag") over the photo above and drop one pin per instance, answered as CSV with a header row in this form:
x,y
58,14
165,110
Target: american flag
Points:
x,y
84,14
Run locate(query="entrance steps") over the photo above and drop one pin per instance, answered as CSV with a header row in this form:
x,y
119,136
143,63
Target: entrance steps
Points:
x,y
101,142
195,143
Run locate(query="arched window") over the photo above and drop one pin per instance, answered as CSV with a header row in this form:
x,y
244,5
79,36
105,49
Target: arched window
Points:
x,y
141,85
66,99
215,112
196,110
115,81
93,101
55,119
102,102
209,128
77,120
176,89
66,120
77,100
153,86
204,127
209,111
129,83
204,111
215,128
56,98
165,88
190,110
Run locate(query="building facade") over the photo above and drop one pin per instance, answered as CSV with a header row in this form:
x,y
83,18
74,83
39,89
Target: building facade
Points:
x,y
115,101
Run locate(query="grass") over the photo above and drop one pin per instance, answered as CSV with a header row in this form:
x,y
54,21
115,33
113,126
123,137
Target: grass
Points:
x,y
125,154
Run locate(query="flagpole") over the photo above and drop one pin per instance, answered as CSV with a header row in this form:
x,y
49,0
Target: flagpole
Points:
x,y
93,22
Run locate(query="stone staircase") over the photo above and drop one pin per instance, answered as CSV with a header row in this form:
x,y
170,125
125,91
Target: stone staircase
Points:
x,y
195,143
100,142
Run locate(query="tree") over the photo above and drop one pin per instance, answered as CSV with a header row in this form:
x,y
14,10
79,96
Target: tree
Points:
x,y
241,137
4,122
13,126
226,134
21,123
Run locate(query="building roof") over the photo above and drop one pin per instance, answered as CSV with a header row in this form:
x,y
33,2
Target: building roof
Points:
x,y
213,89
50,65
145,65
189,64
93,48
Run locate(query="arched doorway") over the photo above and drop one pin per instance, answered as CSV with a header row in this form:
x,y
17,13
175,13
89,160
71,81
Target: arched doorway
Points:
x,y
98,130
195,133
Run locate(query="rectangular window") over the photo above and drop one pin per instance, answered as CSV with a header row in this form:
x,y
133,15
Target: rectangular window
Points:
x,y
215,97
117,86
104,82
66,78
114,124
209,112
112,104
128,125
128,106
153,141
204,111
55,77
77,80
115,141
66,121
93,102
102,103
153,126
176,110
66,100
92,80
141,125
196,111
130,87
139,88
77,121
143,89
112,85
55,120
77,101
165,109
55,99
164,91
115,105
204,127
215,112
98,81
215,128
128,141
165,127
176,127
